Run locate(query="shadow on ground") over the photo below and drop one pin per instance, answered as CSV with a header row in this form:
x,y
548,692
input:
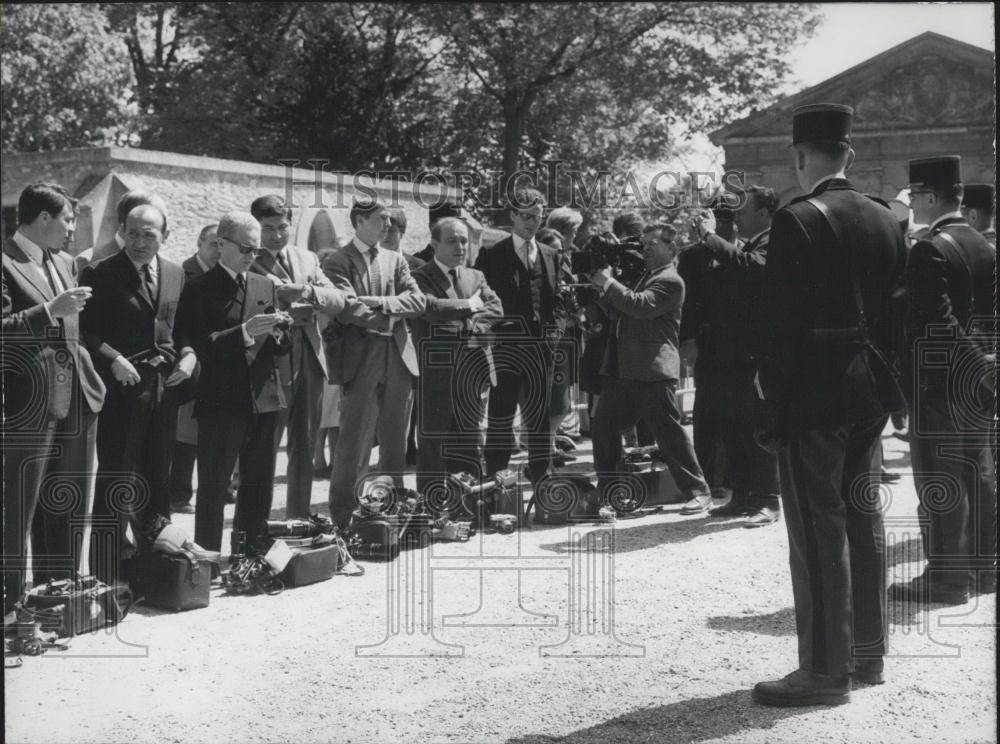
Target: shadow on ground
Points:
x,y
643,536
698,719
780,623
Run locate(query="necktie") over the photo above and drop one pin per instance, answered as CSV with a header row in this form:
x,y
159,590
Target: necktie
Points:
x,y
148,284
283,262
51,274
530,253
375,273
454,283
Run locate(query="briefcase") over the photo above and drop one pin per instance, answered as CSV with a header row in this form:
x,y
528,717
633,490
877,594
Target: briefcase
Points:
x,y
310,565
644,484
566,498
70,608
174,581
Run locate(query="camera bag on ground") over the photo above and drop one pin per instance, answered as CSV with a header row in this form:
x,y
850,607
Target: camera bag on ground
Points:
x,y
306,551
647,481
71,607
310,562
175,581
566,497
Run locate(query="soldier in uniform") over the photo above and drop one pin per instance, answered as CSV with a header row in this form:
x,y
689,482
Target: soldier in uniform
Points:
x,y
978,207
950,284
729,342
833,259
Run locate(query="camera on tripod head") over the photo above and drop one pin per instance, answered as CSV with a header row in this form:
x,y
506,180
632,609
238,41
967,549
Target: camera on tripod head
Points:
x,y
624,257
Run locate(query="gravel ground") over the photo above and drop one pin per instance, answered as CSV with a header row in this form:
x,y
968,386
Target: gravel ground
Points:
x,y
685,616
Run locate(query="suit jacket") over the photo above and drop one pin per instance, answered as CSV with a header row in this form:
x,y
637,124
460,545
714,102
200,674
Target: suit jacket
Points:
x,y
730,328
499,263
948,286
191,268
809,317
692,266
645,325
348,336
119,319
448,322
326,298
44,363
235,378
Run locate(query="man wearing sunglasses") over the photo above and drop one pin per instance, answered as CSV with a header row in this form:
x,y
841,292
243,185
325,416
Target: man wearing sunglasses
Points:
x,y
228,316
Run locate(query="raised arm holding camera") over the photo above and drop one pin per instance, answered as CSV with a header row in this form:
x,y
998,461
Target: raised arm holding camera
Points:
x,y
642,367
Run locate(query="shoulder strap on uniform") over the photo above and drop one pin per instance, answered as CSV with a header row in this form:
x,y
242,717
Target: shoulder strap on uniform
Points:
x,y
855,283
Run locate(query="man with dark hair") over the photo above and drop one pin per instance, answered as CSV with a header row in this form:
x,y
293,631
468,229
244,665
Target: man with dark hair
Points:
x,y
372,356
978,207
694,265
460,309
826,328
525,275
728,343
394,236
642,366
128,201
950,285
303,290
51,394
128,329
186,441
227,315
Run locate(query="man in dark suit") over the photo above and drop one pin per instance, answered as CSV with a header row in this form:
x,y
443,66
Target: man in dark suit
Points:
x,y
304,291
826,325
525,276
978,206
228,316
128,329
186,440
372,355
642,367
436,212
728,342
51,394
950,284
456,363
128,201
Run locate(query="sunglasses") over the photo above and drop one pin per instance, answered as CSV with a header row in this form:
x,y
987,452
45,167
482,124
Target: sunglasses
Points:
x,y
246,248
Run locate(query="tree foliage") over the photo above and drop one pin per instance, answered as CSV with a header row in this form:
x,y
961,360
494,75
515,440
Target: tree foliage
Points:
x,y
65,79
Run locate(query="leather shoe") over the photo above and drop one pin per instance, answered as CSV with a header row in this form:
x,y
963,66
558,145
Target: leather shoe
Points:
x,y
868,673
565,443
735,508
923,589
803,687
762,517
698,505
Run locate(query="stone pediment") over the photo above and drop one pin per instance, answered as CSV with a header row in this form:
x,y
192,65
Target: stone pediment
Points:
x,y
929,81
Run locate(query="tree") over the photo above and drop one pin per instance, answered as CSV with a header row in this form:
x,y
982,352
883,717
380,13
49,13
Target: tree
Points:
x,y
577,80
65,79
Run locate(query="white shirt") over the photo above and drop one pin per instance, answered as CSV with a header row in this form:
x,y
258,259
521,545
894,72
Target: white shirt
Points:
x,y
446,271
475,302
838,174
365,251
204,266
951,215
154,272
247,338
526,249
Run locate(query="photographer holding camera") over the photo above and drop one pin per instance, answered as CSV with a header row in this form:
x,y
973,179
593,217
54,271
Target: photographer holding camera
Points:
x,y
642,365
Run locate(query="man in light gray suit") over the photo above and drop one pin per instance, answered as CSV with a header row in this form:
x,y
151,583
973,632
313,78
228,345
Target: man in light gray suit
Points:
x,y
371,354
303,290
643,367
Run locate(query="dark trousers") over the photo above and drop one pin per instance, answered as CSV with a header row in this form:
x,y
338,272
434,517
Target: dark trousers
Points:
x,y
305,406
182,472
836,541
221,439
955,476
380,397
524,375
621,405
46,486
711,420
135,438
752,472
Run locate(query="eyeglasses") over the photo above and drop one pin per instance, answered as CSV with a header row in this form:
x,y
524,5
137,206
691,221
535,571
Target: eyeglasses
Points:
x,y
246,248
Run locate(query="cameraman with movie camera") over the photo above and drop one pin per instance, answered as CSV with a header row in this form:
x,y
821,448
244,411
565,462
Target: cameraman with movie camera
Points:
x,y
642,365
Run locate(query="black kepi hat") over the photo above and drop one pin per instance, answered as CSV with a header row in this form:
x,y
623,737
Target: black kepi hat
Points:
x,y
945,170
830,122
979,196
